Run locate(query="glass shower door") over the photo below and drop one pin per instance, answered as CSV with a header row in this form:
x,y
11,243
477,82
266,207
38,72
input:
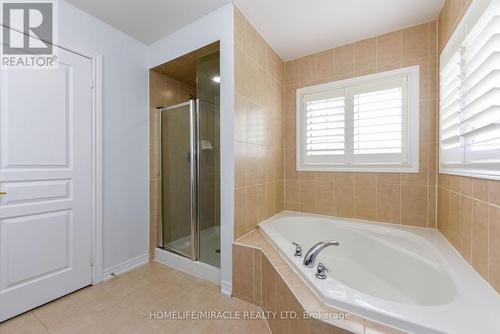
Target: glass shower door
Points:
x,y
178,163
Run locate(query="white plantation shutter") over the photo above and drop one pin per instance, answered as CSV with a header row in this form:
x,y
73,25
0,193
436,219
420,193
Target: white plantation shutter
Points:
x,y
359,124
379,127
481,89
450,109
471,141
325,126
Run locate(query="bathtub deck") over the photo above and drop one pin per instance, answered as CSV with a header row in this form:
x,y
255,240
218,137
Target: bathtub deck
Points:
x,y
244,249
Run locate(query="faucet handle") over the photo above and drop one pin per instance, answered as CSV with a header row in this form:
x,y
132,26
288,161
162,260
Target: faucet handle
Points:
x,y
298,250
321,271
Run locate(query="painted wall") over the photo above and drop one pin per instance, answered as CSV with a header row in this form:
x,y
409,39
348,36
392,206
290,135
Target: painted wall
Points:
x,y
258,130
216,26
125,132
399,198
469,208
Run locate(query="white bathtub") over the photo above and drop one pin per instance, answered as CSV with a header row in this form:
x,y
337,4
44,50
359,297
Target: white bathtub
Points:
x,y
408,277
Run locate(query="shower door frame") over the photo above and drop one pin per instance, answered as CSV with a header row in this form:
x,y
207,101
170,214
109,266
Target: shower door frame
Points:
x,y
194,169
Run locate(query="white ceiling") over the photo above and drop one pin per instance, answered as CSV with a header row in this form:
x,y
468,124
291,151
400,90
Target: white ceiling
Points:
x,y
295,28
148,20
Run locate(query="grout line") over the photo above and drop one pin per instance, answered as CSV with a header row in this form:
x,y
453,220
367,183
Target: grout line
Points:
x,y
376,196
40,320
488,269
253,274
400,201
488,249
428,118
427,205
472,231
461,194
401,52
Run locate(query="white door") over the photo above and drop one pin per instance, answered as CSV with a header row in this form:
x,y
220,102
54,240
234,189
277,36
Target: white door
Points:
x,y
45,171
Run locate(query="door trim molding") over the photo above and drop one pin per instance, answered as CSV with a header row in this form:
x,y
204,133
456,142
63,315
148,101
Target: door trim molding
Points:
x,y
96,84
97,274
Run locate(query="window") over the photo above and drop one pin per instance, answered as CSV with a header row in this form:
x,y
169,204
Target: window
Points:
x,y
470,94
367,123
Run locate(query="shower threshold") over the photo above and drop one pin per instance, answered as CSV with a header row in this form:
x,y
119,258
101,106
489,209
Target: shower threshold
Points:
x,y
195,268
209,246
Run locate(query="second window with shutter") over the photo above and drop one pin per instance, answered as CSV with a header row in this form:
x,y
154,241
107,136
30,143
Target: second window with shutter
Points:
x,y
367,123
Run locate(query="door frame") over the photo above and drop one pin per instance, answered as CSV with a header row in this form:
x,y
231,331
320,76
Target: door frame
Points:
x,y
96,149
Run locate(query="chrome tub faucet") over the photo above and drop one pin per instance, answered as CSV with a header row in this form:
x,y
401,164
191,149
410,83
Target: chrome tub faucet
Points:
x,y
311,255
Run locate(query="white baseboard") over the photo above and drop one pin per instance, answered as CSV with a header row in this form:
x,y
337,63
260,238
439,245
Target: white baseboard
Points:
x,y
125,266
226,289
195,268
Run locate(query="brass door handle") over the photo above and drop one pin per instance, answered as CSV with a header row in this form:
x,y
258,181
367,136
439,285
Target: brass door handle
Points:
x,y
3,193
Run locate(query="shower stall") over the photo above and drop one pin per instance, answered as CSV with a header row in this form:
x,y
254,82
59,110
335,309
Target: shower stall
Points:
x,y
189,169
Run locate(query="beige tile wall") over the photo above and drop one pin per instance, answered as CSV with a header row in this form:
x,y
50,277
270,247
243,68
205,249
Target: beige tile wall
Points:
x,y
388,197
467,213
162,91
469,208
258,128
449,17
465,210
469,217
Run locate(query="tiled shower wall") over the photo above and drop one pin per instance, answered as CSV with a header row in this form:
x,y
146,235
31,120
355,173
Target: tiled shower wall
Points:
x,y
258,128
387,197
469,208
162,91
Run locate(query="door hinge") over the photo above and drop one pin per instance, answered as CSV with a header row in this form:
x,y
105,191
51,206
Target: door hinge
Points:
x,y
91,83
91,261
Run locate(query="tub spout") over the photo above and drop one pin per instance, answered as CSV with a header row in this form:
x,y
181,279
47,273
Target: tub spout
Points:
x,y
315,250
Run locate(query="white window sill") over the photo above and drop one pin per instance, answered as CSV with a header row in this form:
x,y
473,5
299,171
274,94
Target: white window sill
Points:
x,y
358,168
471,172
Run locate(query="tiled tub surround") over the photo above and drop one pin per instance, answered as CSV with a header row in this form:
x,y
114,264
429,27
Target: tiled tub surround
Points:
x,y
469,217
465,210
468,212
258,128
408,277
402,198
262,277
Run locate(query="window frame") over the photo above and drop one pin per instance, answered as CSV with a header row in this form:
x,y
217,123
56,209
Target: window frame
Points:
x,y
483,170
412,94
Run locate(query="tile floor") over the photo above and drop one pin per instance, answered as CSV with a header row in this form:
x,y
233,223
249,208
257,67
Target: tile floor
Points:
x,y
123,304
